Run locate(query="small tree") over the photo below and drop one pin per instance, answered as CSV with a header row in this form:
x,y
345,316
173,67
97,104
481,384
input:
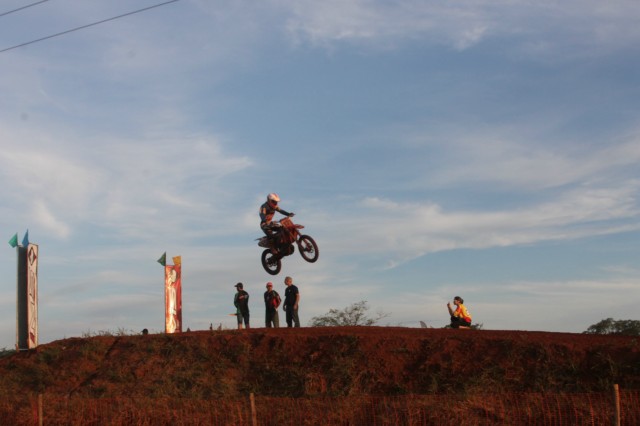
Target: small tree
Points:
x,y
356,314
611,326
6,352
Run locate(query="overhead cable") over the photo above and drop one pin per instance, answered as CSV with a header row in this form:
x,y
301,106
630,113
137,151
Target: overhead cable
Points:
x,y
88,25
23,7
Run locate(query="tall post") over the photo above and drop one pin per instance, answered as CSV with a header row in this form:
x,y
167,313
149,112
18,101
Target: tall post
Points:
x,y
40,419
27,297
32,295
616,399
254,415
173,298
20,284
22,317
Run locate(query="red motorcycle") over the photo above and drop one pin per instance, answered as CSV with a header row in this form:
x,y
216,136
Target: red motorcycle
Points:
x,y
280,244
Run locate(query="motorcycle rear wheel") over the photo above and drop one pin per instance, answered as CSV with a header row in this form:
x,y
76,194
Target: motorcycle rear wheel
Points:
x,y
308,248
271,262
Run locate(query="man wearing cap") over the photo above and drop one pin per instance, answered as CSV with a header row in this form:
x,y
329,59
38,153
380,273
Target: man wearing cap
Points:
x,y
271,303
291,300
241,302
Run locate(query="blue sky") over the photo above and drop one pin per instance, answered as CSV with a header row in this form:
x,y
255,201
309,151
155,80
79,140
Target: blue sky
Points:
x,y
487,149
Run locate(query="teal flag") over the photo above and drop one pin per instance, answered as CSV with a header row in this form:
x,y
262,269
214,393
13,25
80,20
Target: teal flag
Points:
x,y
13,242
162,260
25,240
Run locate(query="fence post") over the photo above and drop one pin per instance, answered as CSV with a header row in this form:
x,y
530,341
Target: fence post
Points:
x,y
40,420
616,399
254,417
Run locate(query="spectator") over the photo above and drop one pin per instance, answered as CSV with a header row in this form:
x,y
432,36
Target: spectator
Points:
x,y
271,303
460,318
241,301
291,301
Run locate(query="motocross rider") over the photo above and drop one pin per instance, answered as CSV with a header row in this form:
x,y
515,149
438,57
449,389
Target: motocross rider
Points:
x,y
267,210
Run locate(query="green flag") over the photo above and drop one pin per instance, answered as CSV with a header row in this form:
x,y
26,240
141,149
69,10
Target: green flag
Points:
x,y
13,242
162,260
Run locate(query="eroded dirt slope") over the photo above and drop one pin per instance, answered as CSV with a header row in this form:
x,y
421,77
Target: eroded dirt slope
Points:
x,y
331,361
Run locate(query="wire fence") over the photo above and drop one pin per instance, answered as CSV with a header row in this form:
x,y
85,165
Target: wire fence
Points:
x,y
607,408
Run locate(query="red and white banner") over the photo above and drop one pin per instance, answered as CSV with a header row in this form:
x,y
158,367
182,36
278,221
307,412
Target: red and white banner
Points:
x,y
32,295
172,299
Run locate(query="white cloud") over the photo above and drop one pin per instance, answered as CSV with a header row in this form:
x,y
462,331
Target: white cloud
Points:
x,y
588,25
43,217
522,159
127,184
403,231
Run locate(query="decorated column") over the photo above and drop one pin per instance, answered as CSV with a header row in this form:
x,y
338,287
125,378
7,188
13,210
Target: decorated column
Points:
x,y
172,294
26,293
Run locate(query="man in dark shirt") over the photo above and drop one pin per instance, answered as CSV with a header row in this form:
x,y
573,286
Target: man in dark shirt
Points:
x,y
291,300
271,304
241,302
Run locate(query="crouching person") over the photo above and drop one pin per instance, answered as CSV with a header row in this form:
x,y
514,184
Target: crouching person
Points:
x,y
460,318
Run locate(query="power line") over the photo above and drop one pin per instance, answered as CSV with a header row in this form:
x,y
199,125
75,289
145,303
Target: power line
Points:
x,y
88,25
23,7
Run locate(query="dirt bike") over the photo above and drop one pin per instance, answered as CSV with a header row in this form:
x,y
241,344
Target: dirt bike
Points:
x,y
280,244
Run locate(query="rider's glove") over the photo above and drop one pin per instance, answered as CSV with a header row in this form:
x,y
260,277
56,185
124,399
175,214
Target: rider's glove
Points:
x,y
291,215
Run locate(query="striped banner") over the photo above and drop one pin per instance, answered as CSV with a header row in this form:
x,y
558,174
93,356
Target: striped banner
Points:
x,y
173,299
32,295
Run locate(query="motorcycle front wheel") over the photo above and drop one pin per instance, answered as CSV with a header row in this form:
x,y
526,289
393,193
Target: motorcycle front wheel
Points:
x,y
271,263
308,248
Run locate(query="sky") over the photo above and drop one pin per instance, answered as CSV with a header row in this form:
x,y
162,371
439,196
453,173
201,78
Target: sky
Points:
x,y
486,149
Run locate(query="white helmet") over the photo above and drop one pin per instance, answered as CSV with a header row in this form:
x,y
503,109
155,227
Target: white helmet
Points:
x,y
273,198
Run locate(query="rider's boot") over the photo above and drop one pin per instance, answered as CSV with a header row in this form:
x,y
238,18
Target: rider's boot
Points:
x,y
272,242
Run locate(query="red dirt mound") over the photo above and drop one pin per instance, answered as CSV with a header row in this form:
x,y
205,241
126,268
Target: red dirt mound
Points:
x,y
323,361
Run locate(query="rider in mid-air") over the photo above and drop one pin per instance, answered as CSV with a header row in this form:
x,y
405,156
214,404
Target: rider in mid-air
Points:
x,y
267,210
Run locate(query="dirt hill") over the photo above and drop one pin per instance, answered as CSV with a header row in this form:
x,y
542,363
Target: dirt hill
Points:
x,y
323,361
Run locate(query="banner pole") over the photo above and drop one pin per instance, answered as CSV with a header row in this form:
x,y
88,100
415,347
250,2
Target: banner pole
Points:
x,y
616,399
40,419
17,299
254,416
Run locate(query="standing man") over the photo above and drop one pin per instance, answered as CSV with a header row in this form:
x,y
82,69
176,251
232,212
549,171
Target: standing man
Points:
x,y
291,300
271,304
241,302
